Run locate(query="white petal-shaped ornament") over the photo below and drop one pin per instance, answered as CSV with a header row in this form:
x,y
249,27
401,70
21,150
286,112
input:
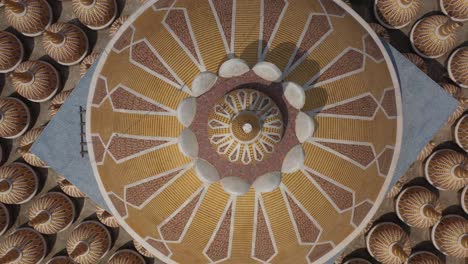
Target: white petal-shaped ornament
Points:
x,y
267,182
235,185
268,71
188,143
205,171
304,127
233,67
203,82
295,94
186,111
294,160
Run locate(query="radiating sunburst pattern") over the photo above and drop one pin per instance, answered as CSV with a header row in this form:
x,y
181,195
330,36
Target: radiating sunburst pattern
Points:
x,y
134,129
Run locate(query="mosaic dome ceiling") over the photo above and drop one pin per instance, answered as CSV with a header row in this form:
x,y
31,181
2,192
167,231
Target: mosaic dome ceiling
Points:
x,y
244,131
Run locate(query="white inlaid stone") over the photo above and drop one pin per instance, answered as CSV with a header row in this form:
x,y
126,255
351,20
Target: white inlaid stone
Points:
x,y
186,111
268,71
235,185
203,82
267,182
295,94
305,127
294,160
233,67
188,143
205,171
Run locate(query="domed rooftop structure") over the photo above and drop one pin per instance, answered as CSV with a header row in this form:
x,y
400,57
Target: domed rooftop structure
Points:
x,y
88,242
447,169
117,24
58,101
18,183
457,10
388,243
61,260
396,13
25,246
126,256
106,218
70,189
30,17
453,90
418,207
95,14
457,65
423,257
433,36
25,144
14,117
464,199
37,81
426,151
461,133
52,213
244,125
65,43
142,250
88,62
450,236
4,219
11,52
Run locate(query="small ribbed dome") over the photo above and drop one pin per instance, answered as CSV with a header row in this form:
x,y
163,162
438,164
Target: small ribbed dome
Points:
x,y
69,188
461,132
388,243
458,112
24,246
418,61
423,257
380,31
457,10
418,207
117,24
395,190
25,144
30,17
58,101
357,261
106,218
95,14
142,250
61,260
37,81
52,213
65,43
396,13
457,65
14,117
4,219
450,236
18,183
11,52
433,36
88,242
426,151
446,169
126,256
453,90
464,199
87,63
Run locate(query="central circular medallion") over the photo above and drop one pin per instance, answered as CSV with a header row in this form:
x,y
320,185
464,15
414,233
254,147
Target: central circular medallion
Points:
x,y
245,125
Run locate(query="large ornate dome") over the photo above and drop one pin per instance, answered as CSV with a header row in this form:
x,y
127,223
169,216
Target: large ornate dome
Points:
x,y
245,131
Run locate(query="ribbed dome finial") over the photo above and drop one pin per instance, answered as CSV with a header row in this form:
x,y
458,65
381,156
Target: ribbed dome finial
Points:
x,y
41,218
87,2
80,249
4,185
24,77
430,212
449,28
55,38
460,171
398,251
